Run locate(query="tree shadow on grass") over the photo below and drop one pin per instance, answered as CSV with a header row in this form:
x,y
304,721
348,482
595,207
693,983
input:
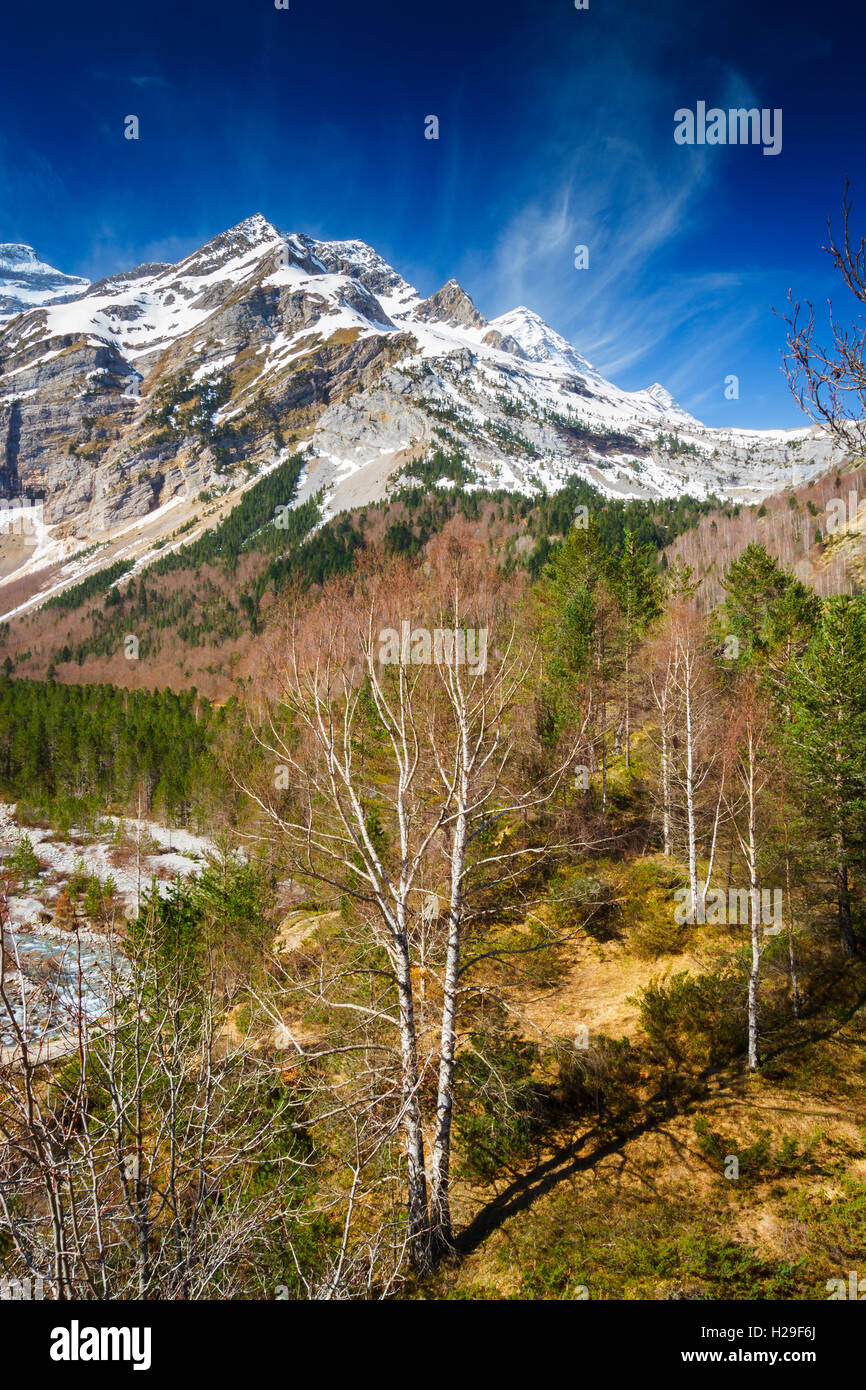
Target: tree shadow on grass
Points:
x,y
577,1156
594,1145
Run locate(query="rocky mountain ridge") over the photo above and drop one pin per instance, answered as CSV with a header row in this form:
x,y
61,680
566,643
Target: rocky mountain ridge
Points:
x,y
158,386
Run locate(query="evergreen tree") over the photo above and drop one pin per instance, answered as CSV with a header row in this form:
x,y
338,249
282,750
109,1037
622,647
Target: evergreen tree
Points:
x,y
826,739
767,608
638,587
581,631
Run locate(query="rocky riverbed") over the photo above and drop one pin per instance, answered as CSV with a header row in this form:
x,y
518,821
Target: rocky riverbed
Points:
x,y
59,968
55,982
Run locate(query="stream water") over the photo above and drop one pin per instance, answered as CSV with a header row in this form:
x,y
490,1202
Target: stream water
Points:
x,y
58,982
51,986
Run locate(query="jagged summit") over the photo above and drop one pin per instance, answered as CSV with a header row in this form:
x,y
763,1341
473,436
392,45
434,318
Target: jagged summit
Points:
x,y
662,395
257,228
361,261
234,244
539,341
452,305
667,405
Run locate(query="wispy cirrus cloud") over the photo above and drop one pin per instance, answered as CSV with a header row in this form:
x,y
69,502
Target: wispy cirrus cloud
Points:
x,y
636,203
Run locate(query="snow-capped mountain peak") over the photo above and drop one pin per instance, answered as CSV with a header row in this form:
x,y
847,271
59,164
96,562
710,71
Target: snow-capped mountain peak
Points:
x,y
14,255
363,263
662,395
233,246
164,381
258,229
27,282
540,342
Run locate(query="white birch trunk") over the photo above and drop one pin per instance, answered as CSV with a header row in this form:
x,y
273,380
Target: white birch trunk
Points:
x,y
690,786
755,912
440,1196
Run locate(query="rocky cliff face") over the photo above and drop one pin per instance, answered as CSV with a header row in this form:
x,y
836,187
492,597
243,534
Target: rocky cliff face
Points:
x,y
167,380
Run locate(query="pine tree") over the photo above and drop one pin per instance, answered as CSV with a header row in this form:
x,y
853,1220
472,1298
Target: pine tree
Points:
x,y
638,587
581,632
826,739
767,608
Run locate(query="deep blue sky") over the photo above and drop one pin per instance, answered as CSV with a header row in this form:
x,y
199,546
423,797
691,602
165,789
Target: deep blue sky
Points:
x,y
556,128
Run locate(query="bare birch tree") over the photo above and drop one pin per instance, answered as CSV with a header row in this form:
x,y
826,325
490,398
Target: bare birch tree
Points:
x,y
750,775
406,780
